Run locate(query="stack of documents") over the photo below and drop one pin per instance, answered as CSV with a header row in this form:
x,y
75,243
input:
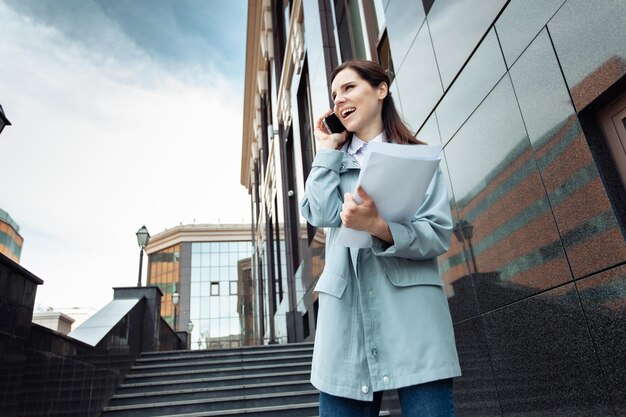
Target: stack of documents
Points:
x,y
396,177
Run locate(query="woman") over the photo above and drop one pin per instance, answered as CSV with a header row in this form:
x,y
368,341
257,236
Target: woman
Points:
x,y
383,320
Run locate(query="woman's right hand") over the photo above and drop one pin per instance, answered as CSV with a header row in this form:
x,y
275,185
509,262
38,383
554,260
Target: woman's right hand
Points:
x,y
326,140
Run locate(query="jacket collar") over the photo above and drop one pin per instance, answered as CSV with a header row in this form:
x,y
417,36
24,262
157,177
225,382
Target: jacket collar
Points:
x,y
348,161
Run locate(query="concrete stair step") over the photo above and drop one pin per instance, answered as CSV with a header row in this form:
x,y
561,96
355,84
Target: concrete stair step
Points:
x,y
212,355
223,381
291,410
240,351
213,404
213,364
210,392
217,372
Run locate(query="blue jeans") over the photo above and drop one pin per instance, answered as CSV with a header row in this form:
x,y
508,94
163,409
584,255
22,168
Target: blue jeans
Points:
x,y
432,399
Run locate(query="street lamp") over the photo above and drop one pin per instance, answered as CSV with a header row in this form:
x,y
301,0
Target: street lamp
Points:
x,y
175,300
143,237
464,230
3,120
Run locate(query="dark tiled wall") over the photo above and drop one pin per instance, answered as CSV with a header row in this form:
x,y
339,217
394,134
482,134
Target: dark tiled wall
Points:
x,y
537,291
17,298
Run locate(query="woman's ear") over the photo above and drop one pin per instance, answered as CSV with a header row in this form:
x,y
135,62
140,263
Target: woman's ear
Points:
x,y
383,90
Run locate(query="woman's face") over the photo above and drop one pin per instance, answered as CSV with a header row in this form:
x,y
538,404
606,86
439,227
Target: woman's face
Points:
x,y
357,104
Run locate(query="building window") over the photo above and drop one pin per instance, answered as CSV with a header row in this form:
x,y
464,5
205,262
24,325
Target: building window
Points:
x,y
215,288
611,150
384,56
349,30
613,121
233,288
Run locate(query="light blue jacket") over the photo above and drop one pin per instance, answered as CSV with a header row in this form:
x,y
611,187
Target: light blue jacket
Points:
x,y
383,319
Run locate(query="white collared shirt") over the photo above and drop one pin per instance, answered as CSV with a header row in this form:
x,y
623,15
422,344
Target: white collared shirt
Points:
x,y
358,147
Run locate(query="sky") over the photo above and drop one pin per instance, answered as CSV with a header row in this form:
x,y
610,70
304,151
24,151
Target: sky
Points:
x,y
123,113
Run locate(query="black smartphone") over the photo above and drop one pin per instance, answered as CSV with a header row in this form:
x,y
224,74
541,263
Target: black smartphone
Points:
x,y
333,124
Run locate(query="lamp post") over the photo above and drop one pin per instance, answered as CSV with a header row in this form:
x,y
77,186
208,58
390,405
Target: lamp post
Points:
x,y
175,300
3,120
143,237
464,230
189,333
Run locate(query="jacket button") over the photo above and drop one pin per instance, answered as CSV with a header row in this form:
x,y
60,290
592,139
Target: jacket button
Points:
x,y
385,378
365,389
371,292
342,166
353,163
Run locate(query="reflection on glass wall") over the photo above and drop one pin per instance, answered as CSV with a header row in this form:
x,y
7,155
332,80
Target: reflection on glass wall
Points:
x,y
164,271
222,301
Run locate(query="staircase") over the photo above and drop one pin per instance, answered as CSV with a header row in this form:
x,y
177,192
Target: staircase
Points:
x,y
257,381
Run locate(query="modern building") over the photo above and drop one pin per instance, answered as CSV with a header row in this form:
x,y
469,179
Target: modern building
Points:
x,y
208,266
528,99
10,239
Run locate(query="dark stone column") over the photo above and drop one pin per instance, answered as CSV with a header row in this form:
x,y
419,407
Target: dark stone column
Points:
x,y
152,312
17,299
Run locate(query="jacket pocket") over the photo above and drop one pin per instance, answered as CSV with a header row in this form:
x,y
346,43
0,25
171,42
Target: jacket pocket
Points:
x,y
332,284
403,272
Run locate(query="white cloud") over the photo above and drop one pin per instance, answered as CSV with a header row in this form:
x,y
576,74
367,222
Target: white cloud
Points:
x,y
100,147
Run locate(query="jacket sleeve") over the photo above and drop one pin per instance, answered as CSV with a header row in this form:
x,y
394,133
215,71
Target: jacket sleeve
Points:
x,y
428,234
322,200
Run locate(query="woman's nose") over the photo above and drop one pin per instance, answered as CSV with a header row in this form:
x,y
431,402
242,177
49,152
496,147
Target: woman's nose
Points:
x,y
339,99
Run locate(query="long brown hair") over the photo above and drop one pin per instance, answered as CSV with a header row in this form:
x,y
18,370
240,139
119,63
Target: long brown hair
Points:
x,y
374,74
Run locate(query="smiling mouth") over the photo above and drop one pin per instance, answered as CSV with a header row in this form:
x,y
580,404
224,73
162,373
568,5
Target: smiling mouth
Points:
x,y
347,112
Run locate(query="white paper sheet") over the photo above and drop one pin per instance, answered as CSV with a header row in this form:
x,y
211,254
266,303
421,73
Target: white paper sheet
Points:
x,y
396,177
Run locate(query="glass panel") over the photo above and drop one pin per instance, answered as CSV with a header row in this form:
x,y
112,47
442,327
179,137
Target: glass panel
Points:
x,y
224,327
581,207
544,330
520,22
430,131
419,80
205,289
195,274
342,18
603,297
479,76
224,258
589,41
456,28
214,308
224,306
404,19
224,288
206,259
195,289
510,234
223,273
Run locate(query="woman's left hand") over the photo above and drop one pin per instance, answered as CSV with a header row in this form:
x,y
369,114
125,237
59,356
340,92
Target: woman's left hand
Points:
x,y
364,216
